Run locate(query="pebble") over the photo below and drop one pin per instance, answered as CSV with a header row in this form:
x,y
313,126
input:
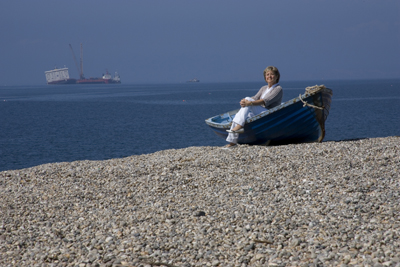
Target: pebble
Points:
x,y
318,204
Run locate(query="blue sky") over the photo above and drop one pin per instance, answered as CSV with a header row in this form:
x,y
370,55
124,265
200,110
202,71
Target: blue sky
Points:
x,y
171,41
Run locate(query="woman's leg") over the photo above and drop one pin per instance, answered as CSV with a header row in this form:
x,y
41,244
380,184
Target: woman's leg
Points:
x,y
240,119
233,137
237,124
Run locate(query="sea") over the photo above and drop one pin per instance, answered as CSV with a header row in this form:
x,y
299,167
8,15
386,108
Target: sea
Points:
x,y
65,123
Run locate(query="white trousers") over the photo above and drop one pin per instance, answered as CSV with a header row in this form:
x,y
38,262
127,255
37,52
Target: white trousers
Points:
x,y
241,117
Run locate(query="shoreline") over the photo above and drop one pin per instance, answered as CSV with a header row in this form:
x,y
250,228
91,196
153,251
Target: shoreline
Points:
x,y
330,203
175,149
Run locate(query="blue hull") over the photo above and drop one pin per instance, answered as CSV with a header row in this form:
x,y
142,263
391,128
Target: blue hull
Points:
x,y
291,122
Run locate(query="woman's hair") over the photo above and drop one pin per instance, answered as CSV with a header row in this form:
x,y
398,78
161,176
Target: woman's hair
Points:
x,y
274,70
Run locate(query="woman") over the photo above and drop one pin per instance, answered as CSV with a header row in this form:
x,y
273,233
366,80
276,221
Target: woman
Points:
x,y
268,96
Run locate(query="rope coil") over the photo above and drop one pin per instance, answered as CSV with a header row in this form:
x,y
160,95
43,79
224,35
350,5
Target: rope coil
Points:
x,y
310,90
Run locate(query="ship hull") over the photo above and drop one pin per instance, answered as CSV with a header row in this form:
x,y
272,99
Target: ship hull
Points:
x,y
96,81
67,81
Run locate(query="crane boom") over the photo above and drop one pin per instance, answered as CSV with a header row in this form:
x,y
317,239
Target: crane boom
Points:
x,y
76,63
82,63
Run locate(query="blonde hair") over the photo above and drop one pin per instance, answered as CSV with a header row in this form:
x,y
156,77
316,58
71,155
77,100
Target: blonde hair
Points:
x,y
274,70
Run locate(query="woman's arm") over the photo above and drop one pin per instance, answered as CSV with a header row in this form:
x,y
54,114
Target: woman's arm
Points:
x,y
245,103
257,99
260,92
272,99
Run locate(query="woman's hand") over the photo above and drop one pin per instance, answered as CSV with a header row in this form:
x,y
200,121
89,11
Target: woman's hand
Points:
x,y
245,103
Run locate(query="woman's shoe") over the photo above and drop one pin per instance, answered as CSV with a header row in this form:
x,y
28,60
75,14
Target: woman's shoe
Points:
x,y
241,130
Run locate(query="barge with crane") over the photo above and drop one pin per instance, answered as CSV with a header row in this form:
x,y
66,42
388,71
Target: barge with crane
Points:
x,y
61,76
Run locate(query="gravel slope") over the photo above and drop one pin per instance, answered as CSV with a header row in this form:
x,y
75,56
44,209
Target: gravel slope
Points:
x,y
320,204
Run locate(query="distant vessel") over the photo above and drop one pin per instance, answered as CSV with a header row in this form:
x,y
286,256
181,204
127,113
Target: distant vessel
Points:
x,y
105,79
193,81
82,80
59,76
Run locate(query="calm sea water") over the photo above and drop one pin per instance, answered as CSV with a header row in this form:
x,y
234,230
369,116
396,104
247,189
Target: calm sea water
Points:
x,y
44,124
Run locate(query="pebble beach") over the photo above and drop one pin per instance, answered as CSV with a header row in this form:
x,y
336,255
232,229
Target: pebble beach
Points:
x,y
318,204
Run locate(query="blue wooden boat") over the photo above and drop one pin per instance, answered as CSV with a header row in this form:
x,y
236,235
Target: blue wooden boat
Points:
x,y
299,120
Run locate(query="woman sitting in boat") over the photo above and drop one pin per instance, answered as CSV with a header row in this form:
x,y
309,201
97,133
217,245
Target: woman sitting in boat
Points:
x,y
268,96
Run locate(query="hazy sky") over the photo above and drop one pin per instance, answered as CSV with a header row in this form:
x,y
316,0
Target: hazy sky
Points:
x,y
213,40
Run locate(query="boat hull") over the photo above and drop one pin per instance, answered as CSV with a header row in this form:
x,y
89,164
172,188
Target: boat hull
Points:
x,y
291,122
96,81
67,81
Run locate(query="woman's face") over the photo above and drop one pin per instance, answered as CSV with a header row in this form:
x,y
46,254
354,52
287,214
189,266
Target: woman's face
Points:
x,y
270,77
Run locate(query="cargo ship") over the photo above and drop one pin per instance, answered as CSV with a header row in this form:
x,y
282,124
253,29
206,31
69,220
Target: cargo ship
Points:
x,y
105,79
61,76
